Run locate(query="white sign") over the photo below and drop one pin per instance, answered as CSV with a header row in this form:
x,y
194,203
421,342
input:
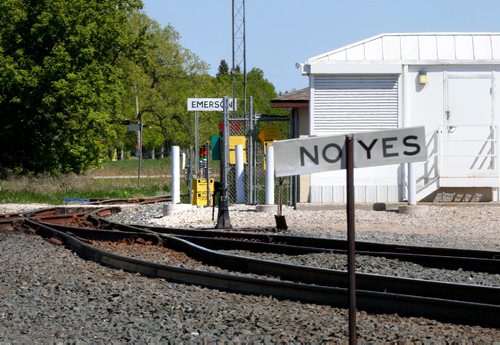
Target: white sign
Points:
x,y
210,104
309,155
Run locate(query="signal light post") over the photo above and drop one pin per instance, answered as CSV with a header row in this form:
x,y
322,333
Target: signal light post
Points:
x,y
203,161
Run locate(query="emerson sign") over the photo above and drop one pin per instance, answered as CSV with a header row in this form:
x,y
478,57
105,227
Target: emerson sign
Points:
x,y
210,104
310,155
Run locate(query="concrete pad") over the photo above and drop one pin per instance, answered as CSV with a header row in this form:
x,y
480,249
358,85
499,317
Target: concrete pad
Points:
x,y
266,208
170,209
416,210
378,206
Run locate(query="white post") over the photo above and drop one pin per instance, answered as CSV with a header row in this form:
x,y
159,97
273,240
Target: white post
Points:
x,y
270,175
176,186
183,160
240,177
412,185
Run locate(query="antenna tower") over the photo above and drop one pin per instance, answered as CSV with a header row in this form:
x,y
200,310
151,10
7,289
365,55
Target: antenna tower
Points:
x,y
239,52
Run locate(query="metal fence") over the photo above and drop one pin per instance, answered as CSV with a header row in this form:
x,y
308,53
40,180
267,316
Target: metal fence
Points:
x,y
255,172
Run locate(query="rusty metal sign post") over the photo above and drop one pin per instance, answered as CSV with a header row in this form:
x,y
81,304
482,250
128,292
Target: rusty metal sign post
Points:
x,y
351,237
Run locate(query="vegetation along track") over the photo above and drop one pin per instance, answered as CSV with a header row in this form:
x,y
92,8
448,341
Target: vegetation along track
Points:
x,y
470,304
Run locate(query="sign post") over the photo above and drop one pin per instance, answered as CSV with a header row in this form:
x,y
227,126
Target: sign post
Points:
x,y
310,155
225,105
205,104
351,239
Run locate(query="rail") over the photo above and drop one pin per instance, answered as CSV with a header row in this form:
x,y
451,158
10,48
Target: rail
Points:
x,y
381,294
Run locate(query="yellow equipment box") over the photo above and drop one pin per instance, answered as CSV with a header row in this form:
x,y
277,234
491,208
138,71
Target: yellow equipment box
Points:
x,y
200,198
200,191
200,185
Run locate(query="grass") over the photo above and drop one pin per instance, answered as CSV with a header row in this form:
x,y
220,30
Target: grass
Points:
x,y
130,167
116,179
53,190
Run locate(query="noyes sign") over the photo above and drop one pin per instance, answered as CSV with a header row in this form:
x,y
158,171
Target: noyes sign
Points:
x,y
317,154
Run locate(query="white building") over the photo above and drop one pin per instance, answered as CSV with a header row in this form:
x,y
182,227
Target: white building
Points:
x,y
443,81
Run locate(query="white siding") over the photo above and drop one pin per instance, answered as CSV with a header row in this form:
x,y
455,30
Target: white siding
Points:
x,y
362,194
347,104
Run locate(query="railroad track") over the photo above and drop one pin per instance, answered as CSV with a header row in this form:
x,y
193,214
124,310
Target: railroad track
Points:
x,y
470,304
449,258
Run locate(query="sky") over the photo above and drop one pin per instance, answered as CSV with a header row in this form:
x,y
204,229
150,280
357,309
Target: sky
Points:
x,y
281,33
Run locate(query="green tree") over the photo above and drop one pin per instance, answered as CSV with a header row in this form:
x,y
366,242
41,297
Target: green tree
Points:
x,y
223,68
162,80
262,91
60,85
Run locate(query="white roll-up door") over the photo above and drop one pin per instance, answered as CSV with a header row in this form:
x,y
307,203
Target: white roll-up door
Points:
x,y
348,104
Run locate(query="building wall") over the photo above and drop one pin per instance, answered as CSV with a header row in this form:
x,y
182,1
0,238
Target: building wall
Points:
x,y
426,106
420,105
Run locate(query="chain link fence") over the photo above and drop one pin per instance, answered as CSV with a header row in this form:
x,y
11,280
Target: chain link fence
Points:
x,y
255,151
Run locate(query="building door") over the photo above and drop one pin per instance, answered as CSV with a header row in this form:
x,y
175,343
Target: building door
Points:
x,y
469,136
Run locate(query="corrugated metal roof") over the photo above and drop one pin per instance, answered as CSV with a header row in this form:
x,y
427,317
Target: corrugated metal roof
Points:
x,y
398,47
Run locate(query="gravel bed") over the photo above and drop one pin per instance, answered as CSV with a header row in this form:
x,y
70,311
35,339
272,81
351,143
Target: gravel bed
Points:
x,y
161,255
140,249
379,265
467,227
50,295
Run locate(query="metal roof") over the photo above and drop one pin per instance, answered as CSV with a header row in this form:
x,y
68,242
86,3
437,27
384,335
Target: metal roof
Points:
x,y
418,47
293,99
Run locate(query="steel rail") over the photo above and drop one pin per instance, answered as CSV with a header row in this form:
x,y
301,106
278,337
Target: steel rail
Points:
x,y
322,243
449,302
474,299
7,220
449,258
148,200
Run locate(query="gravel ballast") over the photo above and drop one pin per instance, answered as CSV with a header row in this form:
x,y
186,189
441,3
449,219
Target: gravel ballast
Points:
x,y
50,295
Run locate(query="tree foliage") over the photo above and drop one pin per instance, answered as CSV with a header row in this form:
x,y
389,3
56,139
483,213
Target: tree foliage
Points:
x,y
59,81
70,75
162,81
223,68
